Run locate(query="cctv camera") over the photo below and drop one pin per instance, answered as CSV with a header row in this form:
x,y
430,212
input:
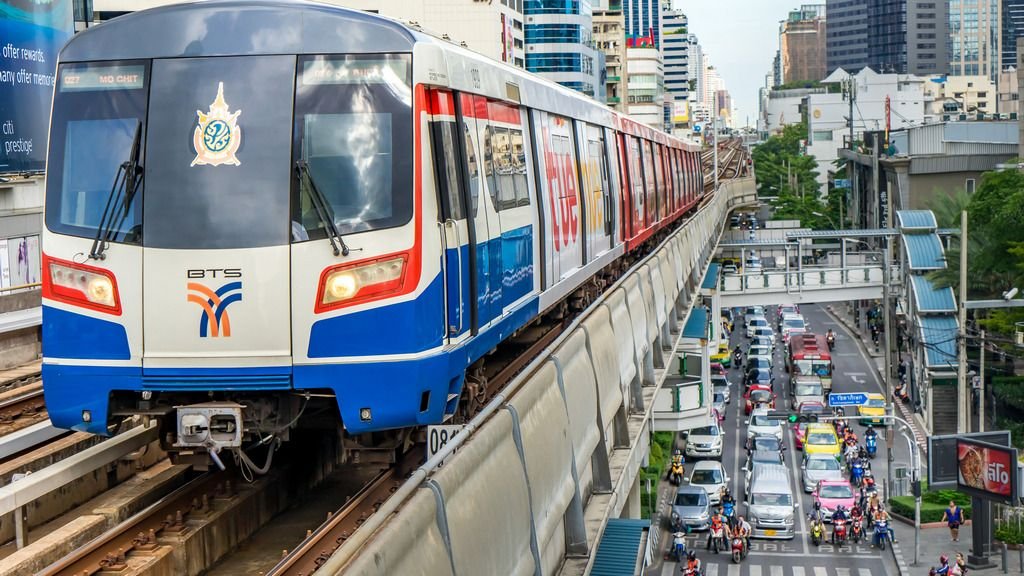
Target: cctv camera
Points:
x,y
1009,294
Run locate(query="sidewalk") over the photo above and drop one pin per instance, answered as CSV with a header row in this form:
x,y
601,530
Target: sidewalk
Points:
x,y
935,542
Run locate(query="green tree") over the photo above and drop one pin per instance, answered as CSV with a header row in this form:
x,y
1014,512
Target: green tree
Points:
x,y
785,172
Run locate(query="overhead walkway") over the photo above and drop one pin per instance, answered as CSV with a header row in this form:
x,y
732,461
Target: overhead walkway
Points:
x,y
803,286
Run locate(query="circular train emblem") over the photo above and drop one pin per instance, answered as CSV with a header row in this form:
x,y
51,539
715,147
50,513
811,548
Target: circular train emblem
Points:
x,y
217,135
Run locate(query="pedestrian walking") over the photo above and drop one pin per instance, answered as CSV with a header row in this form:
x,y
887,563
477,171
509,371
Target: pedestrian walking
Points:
x,y
953,517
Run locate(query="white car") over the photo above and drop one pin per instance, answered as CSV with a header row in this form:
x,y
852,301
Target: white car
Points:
x,y
763,331
704,442
761,425
793,325
756,323
711,476
765,355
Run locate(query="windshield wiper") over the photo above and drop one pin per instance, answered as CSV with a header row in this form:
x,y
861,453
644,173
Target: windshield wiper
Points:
x,y
127,180
323,211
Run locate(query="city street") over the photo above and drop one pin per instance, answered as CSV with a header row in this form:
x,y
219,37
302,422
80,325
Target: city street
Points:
x,y
854,372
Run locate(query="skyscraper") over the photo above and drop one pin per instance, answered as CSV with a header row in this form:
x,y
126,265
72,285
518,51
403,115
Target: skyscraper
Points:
x,y
610,39
887,36
974,38
643,21
675,50
847,34
559,46
1013,28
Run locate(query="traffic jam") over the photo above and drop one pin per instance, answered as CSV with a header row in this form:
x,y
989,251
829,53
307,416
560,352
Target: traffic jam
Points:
x,y
780,465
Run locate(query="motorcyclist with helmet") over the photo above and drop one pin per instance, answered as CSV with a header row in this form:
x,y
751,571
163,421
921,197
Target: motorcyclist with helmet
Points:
x,y
719,522
729,506
693,565
838,516
943,569
744,530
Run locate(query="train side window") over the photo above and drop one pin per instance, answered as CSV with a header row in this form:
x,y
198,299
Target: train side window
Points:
x,y
492,185
602,163
650,185
517,153
502,166
447,171
636,178
472,169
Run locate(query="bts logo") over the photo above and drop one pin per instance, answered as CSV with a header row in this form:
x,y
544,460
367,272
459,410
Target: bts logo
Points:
x,y
214,320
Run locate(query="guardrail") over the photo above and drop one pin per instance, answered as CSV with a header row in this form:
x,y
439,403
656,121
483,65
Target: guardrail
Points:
x,y
796,280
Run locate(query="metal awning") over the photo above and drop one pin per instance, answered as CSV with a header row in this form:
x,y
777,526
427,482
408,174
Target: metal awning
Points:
x,y
924,252
929,298
711,278
856,233
696,324
939,334
623,548
923,220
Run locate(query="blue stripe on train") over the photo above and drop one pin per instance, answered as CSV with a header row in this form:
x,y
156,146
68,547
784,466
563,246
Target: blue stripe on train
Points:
x,y
70,335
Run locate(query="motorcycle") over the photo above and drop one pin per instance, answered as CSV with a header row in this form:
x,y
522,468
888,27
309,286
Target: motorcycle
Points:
x,y
676,474
739,550
831,341
856,472
856,530
677,523
729,509
839,531
871,441
679,546
817,531
737,359
881,535
698,571
716,540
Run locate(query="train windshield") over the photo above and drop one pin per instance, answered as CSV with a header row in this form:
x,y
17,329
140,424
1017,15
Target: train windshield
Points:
x,y
96,112
353,129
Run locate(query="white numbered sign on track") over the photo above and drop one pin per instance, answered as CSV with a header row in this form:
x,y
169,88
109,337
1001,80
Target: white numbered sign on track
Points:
x,y
439,435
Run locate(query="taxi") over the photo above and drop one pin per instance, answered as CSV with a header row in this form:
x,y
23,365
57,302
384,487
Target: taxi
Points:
x,y
723,356
821,439
871,412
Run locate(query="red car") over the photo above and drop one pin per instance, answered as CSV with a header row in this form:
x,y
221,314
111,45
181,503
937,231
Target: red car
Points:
x,y
758,396
799,432
717,368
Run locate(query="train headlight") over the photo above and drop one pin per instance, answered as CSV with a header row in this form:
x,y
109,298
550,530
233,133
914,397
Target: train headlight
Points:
x,y
361,282
342,285
80,285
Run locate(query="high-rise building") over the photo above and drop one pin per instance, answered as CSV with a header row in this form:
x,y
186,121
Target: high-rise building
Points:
x,y
675,50
927,29
846,34
643,21
646,87
802,43
902,36
1012,28
610,39
696,57
974,38
559,44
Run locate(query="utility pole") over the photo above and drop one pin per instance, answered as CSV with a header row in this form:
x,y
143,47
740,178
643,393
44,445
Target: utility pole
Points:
x,y
887,327
981,386
962,421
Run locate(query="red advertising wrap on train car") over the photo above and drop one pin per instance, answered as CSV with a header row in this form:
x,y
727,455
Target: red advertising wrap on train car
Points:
x,y
987,470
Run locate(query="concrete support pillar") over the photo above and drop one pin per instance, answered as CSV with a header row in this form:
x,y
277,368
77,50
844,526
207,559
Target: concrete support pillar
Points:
x,y
631,509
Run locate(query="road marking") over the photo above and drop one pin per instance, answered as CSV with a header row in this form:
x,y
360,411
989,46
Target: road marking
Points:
x,y
734,570
864,572
842,571
755,570
857,377
798,571
820,571
776,570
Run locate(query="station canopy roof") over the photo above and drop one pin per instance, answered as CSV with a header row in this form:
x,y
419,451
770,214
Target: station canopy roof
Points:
x,y
711,278
696,324
939,334
924,252
929,298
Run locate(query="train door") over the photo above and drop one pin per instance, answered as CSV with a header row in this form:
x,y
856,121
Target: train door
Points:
x,y
483,220
597,195
560,197
453,200
510,195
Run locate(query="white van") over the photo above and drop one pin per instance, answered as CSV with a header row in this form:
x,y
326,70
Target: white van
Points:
x,y
771,505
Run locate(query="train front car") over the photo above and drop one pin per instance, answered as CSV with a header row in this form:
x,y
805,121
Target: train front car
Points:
x,y
235,231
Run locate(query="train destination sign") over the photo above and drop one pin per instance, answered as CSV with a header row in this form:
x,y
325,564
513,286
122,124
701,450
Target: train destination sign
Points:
x,y
93,78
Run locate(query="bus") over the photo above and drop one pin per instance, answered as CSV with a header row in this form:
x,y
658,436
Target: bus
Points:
x,y
809,355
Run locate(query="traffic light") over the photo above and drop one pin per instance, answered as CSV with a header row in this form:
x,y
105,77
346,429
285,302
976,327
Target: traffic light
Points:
x,y
793,417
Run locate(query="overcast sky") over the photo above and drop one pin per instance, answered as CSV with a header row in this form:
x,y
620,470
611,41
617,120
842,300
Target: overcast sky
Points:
x,y
741,37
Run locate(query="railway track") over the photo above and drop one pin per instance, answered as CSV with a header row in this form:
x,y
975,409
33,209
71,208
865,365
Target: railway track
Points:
x,y
20,376
21,407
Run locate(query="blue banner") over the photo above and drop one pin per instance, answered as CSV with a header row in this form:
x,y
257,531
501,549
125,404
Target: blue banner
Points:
x,y
31,34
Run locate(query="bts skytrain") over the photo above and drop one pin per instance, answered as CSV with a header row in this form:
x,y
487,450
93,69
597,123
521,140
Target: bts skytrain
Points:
x,y
263,212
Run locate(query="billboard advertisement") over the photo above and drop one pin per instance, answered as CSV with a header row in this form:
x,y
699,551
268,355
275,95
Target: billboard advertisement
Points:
x,y
943,461
986,470
31,34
